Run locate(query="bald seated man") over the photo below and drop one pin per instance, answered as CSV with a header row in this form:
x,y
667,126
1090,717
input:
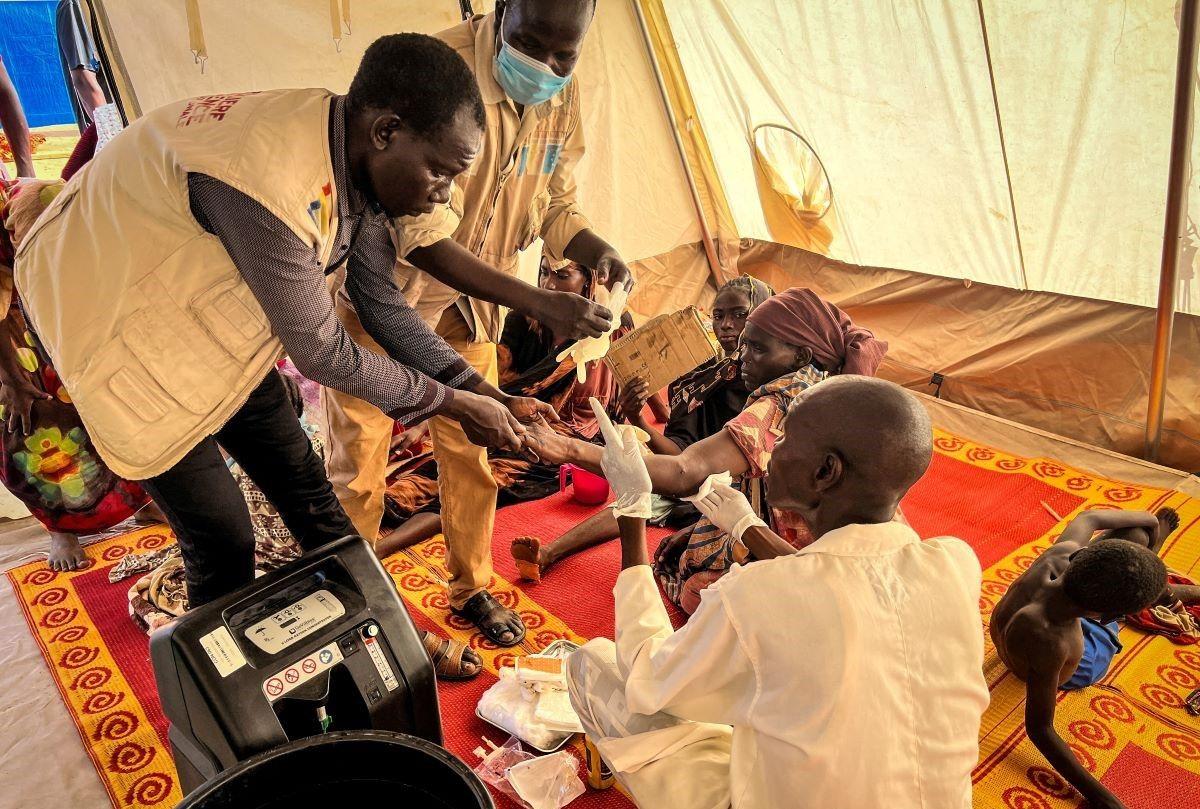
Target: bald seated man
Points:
x,y
848,673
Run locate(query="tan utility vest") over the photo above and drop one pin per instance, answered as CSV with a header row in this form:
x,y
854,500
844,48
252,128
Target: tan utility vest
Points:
x,y
156,336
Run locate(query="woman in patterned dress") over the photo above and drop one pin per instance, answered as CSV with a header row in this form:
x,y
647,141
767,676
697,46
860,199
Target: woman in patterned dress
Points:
x,y
47,460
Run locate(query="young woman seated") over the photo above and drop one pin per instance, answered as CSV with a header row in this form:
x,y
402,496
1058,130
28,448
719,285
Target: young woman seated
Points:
x,y
528,367
790,343
701,403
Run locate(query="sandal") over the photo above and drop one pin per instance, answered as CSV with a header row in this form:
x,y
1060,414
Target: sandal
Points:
x,y
525,551
479,609
447,656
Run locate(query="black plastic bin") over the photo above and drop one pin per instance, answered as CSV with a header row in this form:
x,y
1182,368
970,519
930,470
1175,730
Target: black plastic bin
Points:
x,y
368,768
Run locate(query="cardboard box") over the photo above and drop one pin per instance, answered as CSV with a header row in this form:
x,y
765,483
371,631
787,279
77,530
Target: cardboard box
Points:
x,y
662,350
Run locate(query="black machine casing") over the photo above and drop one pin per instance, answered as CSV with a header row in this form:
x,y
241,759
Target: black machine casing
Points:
x,y
331,639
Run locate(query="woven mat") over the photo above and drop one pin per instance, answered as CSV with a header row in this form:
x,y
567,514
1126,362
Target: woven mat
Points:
x,y
1130,729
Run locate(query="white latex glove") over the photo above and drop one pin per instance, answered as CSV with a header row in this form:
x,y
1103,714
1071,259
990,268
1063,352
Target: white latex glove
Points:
x,y
590,349
726,508
707,486
624,467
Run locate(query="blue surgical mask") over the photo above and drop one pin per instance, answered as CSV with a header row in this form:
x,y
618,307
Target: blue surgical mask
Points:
x,y
526,80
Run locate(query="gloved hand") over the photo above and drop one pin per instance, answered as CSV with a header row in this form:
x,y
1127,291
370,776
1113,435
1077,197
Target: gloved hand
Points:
x,y
590,349
624,467
726,508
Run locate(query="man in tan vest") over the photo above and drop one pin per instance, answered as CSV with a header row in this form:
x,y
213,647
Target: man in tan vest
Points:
x,y
169,277
520,188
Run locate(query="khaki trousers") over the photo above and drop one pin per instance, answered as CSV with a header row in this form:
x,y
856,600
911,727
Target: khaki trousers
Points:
x,y
360,436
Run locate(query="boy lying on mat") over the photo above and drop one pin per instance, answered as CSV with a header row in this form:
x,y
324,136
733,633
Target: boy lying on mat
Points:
x,y
1056,627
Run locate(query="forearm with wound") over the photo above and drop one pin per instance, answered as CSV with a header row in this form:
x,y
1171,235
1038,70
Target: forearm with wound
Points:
x,y
675,475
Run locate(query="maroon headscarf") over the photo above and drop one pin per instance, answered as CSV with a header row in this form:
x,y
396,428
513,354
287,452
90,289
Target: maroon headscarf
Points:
x,y
798,317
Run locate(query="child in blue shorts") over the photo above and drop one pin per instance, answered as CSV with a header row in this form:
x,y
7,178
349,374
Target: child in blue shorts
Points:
x,y
1056,627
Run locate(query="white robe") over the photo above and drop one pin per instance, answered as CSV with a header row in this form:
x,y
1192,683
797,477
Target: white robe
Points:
x,y
849,674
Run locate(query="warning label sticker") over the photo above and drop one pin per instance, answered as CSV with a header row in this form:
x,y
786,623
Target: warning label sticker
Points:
x,y
222,651
301,671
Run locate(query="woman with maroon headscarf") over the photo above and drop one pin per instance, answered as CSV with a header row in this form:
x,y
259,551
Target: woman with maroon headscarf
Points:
x,y
791,342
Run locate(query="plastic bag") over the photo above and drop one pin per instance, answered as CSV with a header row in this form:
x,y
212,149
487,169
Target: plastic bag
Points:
x,y
494,767
548,782
510,706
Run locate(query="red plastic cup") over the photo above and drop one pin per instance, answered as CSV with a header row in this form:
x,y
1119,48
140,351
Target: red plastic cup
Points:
x,y
586,488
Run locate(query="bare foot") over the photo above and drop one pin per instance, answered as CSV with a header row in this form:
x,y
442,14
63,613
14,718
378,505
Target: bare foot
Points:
x,y
531,558
1168,522
66,553
150,514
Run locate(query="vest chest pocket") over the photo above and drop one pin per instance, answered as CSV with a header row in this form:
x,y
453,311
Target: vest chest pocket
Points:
x,y
232,316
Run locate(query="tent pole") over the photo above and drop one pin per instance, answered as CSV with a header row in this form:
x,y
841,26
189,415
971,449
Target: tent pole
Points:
x,y
124,95
1181,142
706,237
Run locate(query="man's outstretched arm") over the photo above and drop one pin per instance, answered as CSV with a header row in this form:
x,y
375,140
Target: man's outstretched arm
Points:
x,y
563,313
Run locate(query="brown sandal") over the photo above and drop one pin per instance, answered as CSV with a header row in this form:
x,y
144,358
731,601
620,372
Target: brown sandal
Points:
x,y
447,656
525,552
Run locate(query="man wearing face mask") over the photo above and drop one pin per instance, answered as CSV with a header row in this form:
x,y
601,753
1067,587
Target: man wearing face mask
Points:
x,y
520,188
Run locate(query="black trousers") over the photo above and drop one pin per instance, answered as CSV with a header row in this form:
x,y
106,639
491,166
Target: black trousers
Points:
x,y
206,509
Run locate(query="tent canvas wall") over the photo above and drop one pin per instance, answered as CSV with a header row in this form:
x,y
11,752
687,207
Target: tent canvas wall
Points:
x,y
981,183
1019,148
